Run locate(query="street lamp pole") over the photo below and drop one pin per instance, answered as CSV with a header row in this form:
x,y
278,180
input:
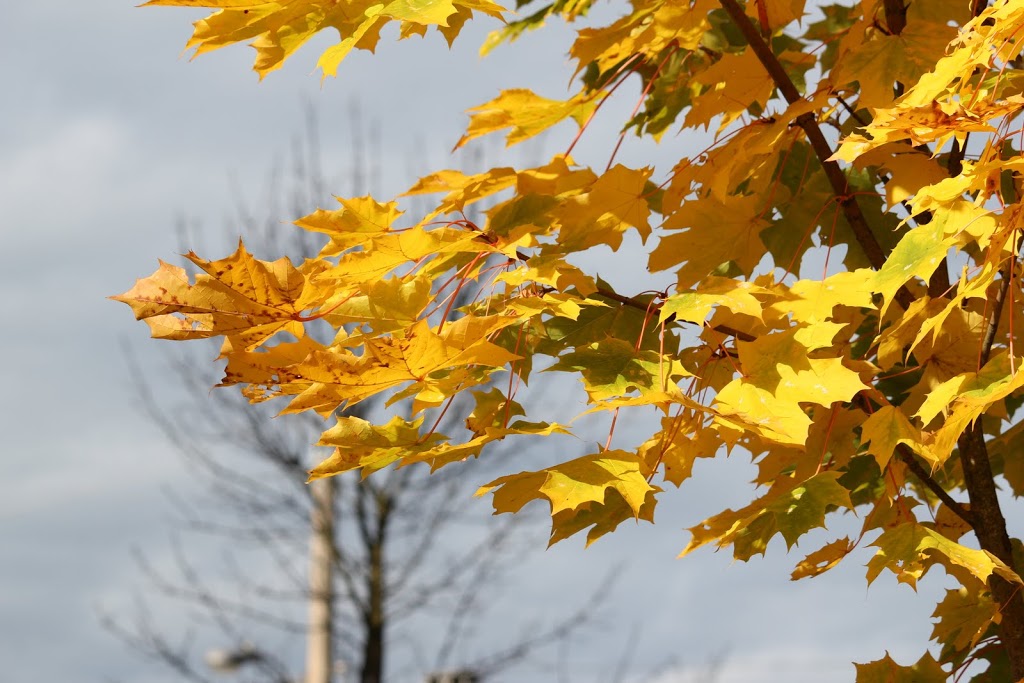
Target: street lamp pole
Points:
x,y
320,636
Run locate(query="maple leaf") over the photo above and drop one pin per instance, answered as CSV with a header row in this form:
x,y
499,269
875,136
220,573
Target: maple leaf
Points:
x,y
527,114
279,28
239,296
823,559
778,376
717,233
615,368
963,617
600,518
878,60
354,225
360,444
918,254
886,429
791,509
581,482
909,550
885,670
730,75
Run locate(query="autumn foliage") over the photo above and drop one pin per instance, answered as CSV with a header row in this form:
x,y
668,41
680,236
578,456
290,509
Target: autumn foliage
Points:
x,y
891,387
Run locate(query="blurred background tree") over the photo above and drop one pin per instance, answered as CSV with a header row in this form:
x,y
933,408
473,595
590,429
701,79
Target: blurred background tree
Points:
x,y
388,578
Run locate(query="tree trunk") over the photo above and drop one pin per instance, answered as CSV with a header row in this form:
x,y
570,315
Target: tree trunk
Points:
x,y
990,528
373,650
320,637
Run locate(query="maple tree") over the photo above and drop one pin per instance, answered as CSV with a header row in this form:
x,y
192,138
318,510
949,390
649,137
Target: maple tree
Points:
x,y
888,388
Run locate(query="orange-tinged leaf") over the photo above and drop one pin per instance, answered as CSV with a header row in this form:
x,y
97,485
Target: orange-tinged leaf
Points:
x,y
717,233
735,82
777,13
823,559
240,296
886,670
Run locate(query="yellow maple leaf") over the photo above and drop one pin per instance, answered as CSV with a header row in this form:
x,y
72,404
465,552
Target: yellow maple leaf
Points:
x,y
716,233
277,28
910,550
733,84
354,225
527,114
574,483
779,375
885,429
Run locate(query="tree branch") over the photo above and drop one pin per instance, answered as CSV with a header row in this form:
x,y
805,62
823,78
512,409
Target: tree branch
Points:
x,y
809,123
640,305
907,457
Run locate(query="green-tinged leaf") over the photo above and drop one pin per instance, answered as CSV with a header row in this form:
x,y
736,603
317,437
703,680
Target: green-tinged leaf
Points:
x,y
788,510
910,550
572,484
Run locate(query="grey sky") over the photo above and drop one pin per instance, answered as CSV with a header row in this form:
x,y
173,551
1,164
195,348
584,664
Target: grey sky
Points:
x,y
106,135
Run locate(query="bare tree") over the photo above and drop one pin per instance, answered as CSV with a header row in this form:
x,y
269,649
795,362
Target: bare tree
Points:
x,y
379,550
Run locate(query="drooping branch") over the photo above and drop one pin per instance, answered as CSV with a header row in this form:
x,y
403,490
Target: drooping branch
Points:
x,y
822,149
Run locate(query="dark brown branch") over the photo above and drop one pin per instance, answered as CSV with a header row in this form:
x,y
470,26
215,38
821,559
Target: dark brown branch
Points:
x,y
640,305
997,312
907,458
809,123
625,300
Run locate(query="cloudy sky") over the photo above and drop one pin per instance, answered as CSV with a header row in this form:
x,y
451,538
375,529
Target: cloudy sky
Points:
x,y
107,137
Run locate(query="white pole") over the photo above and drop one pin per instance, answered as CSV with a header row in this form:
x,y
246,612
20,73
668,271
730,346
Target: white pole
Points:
x,y
320,637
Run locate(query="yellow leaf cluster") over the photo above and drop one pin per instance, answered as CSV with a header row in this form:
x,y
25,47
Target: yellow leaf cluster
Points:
x,y
841,307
